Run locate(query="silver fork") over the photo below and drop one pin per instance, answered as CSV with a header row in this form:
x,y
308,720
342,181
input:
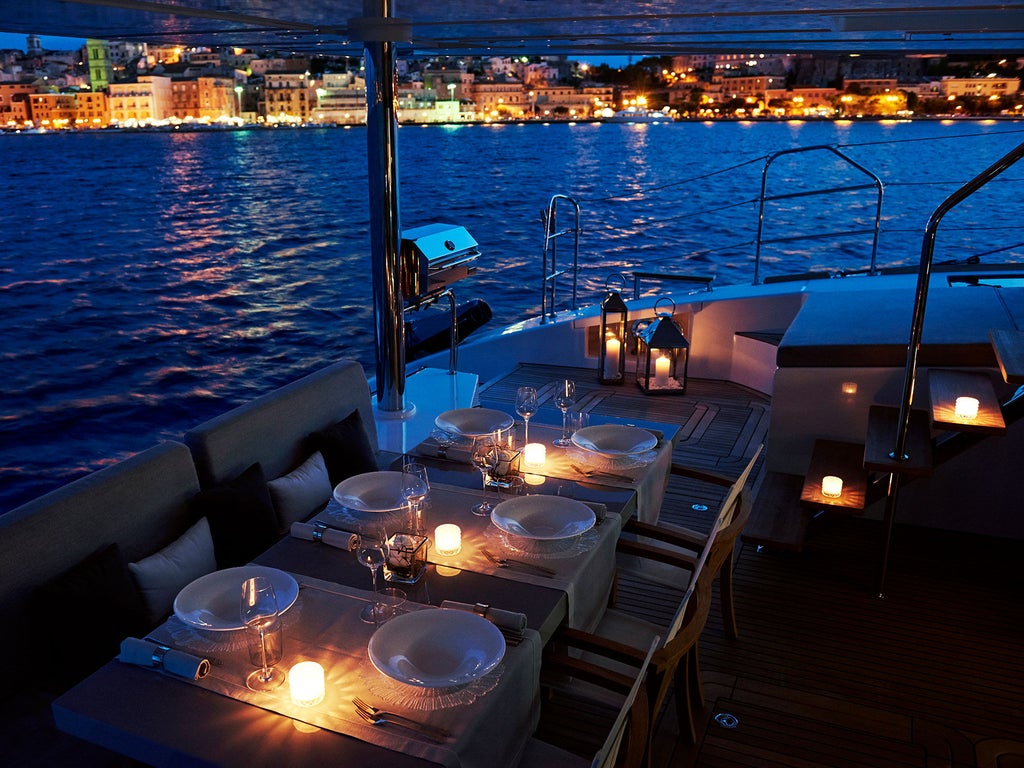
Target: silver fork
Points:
x,y
372,714
507,562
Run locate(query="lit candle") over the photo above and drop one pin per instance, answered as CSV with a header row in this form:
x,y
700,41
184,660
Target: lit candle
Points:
x,y
534,455
849,387
832,486
661,366
447,539
306,681
612,350
966,408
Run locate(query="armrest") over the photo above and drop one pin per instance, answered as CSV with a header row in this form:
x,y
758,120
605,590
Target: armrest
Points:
x,y
659,554
585,641
675,535
701,474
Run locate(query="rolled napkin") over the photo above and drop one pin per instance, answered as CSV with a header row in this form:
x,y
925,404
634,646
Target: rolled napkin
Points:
x,y
510,620
145,653
333,537
600,510
454,448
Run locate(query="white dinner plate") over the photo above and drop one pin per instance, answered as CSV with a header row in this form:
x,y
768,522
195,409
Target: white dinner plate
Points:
x,y
614,439
543,517
438,648
214,601
472,422
371,492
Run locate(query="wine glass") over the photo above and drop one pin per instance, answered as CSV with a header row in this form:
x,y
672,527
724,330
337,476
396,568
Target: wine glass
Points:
x,y
415,488
565,397
263,631
372,552
526,406
485,458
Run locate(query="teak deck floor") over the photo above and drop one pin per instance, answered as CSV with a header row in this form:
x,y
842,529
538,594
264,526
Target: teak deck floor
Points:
x,y
825,674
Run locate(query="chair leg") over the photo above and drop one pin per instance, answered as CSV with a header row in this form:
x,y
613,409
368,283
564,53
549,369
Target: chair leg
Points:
x,y
695,690
684,701
725,592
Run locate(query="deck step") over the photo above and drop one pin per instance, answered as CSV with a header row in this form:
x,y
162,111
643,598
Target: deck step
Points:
x,y
778,520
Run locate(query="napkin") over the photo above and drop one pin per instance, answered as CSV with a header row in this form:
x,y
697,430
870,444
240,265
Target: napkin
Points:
x,y
145,653
331,536
460,449
510,620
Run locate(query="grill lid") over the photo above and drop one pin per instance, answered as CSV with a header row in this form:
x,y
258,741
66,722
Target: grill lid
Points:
x,y
433,257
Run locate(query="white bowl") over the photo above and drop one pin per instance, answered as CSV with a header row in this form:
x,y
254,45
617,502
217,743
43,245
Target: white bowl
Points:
x,y
614,439
437,648
545,518
473,422
213,602
371,492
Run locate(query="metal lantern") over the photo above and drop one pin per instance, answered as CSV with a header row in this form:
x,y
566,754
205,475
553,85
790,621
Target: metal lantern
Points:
x,y
611,357
662,353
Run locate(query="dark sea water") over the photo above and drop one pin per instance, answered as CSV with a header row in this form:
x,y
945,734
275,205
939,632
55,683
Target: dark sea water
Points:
x,y
149,281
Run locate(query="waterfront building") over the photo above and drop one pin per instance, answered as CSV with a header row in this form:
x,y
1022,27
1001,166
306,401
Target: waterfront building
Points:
x,y
568,100
981,87
341,98
15,104
144,101
499,99
101,66
53,110
91,109
287,97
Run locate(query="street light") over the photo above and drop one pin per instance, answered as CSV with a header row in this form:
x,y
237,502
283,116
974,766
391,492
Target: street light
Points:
x,y
238,94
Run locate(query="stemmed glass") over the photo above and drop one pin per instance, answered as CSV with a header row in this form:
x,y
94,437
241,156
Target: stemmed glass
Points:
x,y
372,552
415,487
526,406
263,629
485,458
565,397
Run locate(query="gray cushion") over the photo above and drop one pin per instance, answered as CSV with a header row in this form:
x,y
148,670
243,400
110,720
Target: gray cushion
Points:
x,y
163,574
301,492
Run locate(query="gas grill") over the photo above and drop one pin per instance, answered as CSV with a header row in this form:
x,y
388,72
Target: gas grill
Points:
x,y
432,258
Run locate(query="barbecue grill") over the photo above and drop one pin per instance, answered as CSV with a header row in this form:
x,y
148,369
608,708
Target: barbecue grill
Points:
x,y
432,258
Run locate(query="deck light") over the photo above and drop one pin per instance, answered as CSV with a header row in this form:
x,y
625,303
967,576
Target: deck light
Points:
x,y
662,353
611,358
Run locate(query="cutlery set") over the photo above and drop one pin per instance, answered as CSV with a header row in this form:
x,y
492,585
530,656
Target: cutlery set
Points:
x,y
378,716
507,562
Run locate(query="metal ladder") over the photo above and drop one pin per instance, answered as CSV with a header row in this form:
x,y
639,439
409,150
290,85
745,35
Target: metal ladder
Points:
x,y
551,272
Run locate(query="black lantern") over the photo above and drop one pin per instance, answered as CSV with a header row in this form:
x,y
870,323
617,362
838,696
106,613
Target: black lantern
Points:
x,y
662,353
611,357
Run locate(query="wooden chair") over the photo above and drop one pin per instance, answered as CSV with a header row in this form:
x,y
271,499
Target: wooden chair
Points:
x,y
631,724
729,523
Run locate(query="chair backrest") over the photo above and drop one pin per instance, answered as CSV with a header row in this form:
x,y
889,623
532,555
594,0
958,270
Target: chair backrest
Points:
x,y
731,502
635,714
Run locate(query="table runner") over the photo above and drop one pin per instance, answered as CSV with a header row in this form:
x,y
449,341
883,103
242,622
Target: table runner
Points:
x,y
648,474
584,572
489,724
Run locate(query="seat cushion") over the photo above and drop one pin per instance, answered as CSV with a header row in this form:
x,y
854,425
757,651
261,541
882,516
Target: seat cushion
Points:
x,y
345,448
241,517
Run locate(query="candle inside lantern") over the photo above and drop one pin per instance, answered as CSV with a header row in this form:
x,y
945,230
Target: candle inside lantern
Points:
x,y
966,408
661,368
612,351
534,455
306,681
447,539
832,486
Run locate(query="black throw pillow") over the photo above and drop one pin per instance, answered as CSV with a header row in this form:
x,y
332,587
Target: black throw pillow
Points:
x,y
345,448
241,515
72,639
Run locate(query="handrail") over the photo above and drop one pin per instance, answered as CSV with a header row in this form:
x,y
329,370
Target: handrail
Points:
x,y
876,183
551,235
899,453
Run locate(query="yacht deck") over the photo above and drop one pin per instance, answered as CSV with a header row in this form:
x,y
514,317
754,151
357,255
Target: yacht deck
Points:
x,y
825,673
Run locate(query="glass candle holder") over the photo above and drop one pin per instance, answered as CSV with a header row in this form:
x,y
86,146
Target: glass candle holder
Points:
x,y
534,455
966,407
306,681
447,539
832,486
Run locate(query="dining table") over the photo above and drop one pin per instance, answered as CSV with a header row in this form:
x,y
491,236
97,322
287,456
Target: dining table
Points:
x,y
164,719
